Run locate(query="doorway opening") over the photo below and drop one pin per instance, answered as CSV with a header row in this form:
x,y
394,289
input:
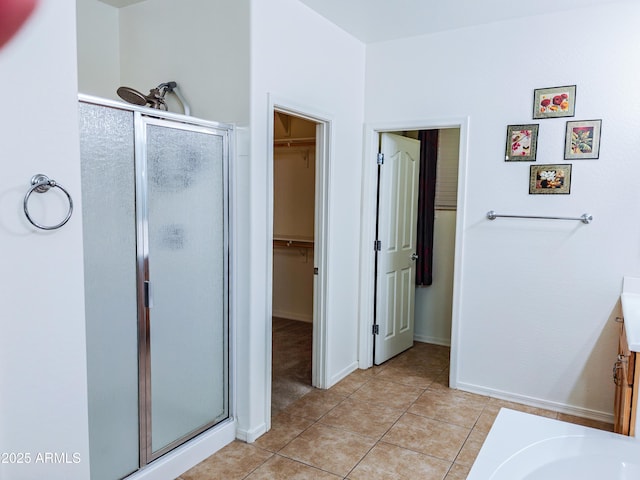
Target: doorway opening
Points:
x,y
294,177
436,306
415,230
298,184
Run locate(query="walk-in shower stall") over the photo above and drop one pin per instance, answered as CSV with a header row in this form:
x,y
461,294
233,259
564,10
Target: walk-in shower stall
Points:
x,y
155,216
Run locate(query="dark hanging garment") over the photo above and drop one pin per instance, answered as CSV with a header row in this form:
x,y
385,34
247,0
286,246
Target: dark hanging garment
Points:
x,y
426,206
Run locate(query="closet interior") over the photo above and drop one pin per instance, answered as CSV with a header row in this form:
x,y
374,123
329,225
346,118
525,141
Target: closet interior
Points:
x,y
294,158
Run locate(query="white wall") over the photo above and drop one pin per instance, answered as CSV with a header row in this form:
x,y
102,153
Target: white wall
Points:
x,y
98,48
299,56
203,45
434,302
535,296
43,404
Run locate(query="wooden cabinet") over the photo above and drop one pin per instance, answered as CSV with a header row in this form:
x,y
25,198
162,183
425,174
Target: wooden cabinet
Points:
x,y
626,378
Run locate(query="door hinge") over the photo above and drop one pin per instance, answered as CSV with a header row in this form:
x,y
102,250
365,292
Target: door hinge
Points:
x,y
377,245
315,270
148,302
376,329
380,158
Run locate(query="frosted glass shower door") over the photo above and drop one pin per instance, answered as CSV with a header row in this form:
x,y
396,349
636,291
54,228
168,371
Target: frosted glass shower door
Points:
x,y
155,223
111,308
182,196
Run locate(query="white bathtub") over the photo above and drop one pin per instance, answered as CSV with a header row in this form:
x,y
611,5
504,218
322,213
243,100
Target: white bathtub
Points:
x,y
528,447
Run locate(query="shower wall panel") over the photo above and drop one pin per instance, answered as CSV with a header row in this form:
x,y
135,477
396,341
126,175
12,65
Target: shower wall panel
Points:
x,y
109,230
156,272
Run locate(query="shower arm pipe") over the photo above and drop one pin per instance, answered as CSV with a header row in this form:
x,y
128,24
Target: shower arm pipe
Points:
x,y
172,87
584,218
185,105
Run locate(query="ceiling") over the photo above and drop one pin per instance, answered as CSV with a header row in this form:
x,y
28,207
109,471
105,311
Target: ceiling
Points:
x,y
381,20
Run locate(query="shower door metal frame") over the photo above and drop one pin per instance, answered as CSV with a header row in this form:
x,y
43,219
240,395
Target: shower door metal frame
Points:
x,y
141,120
141,117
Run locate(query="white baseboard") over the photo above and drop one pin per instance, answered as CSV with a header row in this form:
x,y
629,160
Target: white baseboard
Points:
x,y
178,461
301,317
342,374
445,342
251,436
536,402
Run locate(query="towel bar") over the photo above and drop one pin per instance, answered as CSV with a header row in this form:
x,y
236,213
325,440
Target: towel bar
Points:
x,y
584,218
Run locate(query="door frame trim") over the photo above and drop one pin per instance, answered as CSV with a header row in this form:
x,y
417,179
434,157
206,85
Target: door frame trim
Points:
x,y
324,129
368,226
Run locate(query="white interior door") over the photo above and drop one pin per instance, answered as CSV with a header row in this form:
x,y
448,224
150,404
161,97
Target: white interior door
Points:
x,y
397,220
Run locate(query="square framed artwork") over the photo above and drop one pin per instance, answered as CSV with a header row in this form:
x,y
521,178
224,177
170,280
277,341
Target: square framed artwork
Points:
x,y
522,143
550,179
554,102
582,140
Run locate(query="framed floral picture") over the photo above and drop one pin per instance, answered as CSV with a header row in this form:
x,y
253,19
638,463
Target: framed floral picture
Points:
x,y
550,179
582,140
522,142
554,102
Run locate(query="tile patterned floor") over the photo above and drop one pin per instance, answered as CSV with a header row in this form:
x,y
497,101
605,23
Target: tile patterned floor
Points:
x,y
395,421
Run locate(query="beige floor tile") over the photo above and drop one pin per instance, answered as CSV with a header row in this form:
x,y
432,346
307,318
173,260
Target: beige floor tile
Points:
x,y
329,449
314,404
457,472
284,428
336,430
423,354
235,461
496,404
421,434
486,419
389,394
285,391
459,408
586,422
352,382
389,462
471,448
441,382
362,418
377,369
285,468
412,375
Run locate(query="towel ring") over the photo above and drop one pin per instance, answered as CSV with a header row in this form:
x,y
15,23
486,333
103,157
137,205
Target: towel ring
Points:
x,y
41,184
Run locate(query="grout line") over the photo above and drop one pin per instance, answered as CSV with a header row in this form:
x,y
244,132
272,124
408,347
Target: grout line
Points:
x,y
260,466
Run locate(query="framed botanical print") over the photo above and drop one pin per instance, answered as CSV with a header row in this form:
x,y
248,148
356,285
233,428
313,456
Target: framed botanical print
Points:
x,y
522,142
582,140
550,179
554,102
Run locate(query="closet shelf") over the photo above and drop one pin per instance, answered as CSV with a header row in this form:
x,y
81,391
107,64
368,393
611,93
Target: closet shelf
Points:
x,y
294,142
292,241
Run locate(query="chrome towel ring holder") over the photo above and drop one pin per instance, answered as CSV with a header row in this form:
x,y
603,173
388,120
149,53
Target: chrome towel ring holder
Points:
x,y
41,184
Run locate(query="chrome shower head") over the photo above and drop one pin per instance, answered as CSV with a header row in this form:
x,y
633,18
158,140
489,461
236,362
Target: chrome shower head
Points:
x,y
130,95
155,98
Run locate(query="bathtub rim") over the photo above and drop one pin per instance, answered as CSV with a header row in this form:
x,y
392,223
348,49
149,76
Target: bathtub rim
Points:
x,y
514,431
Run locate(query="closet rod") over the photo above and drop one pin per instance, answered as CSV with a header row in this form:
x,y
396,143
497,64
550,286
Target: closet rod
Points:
x,y
292,243
584,218
295,142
